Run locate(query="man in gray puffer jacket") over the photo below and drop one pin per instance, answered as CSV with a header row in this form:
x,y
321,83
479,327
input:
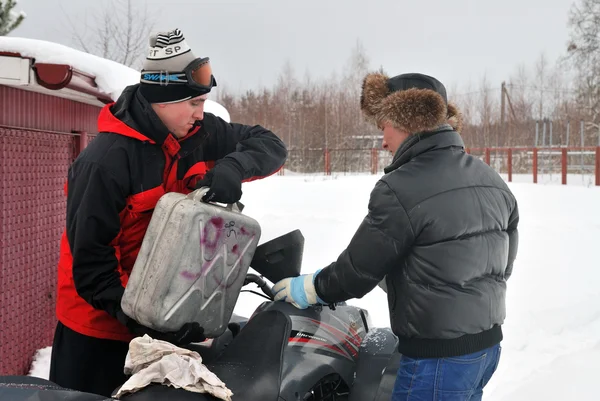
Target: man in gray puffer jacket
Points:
x,y
442,230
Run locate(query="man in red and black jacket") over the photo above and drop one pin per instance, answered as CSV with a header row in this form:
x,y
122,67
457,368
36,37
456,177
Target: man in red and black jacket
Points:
x,y
154,139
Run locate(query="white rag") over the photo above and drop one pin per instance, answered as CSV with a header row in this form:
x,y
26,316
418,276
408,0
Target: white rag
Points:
x,y
155,361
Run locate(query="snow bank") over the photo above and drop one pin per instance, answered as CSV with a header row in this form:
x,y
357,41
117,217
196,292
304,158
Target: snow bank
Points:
x,y
111,77
40,367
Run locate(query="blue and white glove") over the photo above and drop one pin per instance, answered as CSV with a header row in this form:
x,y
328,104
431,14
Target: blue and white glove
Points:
x,y
298,291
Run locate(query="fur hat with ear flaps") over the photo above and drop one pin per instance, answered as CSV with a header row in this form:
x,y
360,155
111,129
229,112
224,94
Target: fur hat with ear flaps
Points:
x,y
411,102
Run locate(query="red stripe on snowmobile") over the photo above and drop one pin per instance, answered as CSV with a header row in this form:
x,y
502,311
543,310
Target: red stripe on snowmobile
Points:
x,y
340,334
355,335
352,331
345,340
317,342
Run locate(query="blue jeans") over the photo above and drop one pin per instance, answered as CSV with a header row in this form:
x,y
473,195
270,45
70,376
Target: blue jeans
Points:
x,y
446,379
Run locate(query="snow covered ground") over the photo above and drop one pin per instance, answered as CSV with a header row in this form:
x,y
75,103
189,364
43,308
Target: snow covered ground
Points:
x,y
552,332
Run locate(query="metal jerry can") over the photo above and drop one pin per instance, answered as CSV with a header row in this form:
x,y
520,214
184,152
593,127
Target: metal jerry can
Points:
x,y
191,265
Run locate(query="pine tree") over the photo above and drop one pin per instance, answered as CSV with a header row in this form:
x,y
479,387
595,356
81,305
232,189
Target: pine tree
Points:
x,y
9,20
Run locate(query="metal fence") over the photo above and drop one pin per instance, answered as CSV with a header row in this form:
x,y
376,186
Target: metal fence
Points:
x,y
338,161
563,161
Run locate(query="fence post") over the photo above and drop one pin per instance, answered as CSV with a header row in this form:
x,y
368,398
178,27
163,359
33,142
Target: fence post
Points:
x,y
374,161
563,163
327,163
598,166
488,158
535,165
509,164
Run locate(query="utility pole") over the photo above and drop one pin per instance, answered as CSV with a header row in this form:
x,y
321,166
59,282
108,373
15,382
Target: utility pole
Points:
x,y
512,112
502,111
503,104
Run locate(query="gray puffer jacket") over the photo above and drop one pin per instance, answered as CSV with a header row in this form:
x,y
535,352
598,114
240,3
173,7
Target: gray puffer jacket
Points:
x,y
442,230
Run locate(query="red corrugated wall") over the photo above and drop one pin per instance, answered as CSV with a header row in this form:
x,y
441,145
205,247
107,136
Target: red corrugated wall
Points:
x,y
36,148
26,109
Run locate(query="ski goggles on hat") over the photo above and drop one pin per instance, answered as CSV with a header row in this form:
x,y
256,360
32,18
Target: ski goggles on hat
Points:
x,y
197,74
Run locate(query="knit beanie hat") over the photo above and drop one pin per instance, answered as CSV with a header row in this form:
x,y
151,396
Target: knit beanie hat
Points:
x,y
168,54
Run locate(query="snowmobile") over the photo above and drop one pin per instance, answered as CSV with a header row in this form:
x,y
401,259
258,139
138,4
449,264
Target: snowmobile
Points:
x,y
281,353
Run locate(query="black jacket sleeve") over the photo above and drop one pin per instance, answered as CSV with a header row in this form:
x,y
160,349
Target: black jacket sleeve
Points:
x,y
94,201
378,246
257,150
513,240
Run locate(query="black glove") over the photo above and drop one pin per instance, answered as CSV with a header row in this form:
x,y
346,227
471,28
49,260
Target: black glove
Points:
x,y
224,181
188,333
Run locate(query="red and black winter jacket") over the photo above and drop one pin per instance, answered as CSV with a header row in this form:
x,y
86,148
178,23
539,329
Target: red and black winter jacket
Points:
x,y
113,187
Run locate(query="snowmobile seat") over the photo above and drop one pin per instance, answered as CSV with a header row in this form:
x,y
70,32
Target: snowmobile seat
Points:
x,y
28,388
250,366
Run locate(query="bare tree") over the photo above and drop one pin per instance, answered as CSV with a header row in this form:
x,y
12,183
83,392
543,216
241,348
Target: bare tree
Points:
x,y
522,98
584,52
356,69
118,32
487,114
9,19
287,85
465,100
541,73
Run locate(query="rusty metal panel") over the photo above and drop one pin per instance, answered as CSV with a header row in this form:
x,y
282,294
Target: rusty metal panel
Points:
x,y
33,171
26,109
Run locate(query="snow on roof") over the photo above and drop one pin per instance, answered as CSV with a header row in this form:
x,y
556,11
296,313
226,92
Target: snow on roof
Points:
x,y
110,76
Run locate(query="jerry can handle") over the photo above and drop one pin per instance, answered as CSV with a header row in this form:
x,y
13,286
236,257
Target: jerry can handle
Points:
x,y
200,192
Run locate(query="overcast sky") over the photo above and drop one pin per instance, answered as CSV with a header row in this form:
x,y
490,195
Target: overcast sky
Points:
x,y
249,41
